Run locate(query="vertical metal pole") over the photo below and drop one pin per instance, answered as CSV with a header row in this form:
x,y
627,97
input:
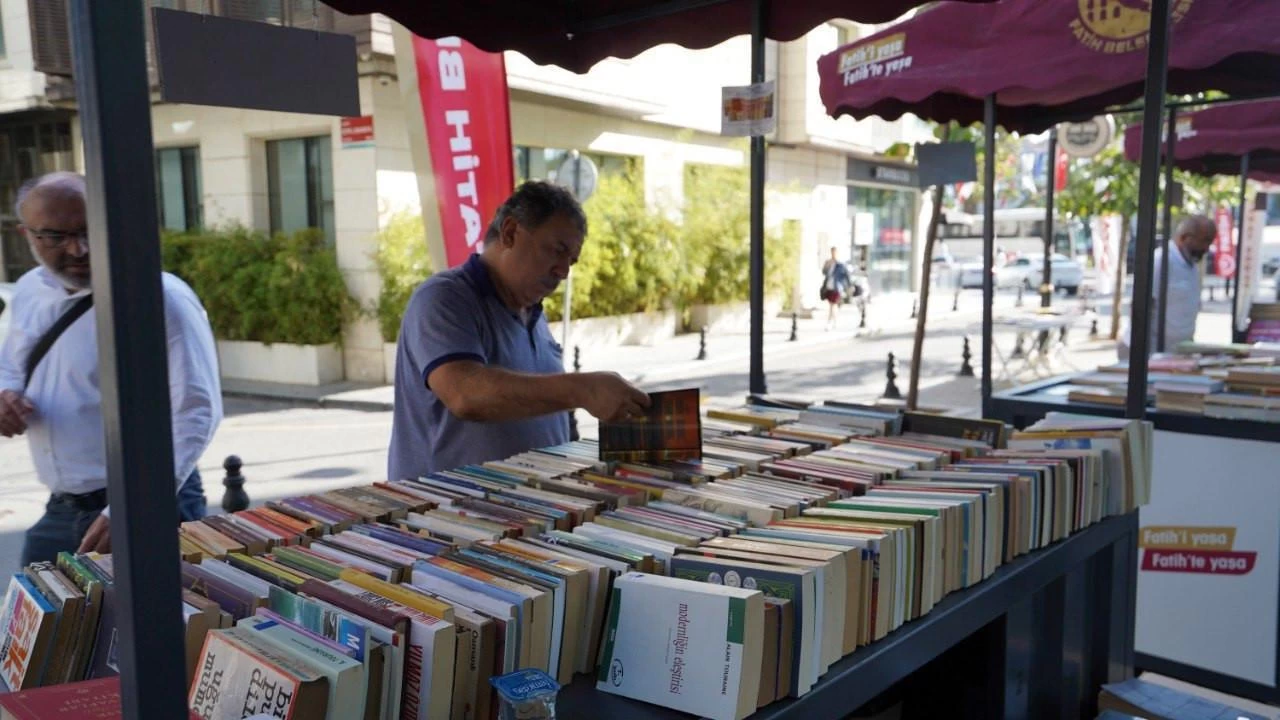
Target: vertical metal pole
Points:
x,y
988,243
757,211
757,270
108,45
1046,274
1148,194
1170,145
1235,285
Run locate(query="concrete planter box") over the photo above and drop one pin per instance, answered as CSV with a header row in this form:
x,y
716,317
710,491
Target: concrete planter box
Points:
x,y
729,317
614,330
389,362
280,362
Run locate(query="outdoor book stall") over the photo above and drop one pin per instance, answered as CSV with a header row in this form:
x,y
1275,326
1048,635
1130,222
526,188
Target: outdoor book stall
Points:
x,y
1209,541
1215,480
1052,616
1216,448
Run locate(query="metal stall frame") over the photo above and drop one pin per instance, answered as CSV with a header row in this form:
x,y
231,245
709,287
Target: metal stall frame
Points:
x,y
108,47
109,43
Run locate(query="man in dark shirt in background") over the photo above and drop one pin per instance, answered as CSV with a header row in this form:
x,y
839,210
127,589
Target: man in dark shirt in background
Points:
x,y
478,375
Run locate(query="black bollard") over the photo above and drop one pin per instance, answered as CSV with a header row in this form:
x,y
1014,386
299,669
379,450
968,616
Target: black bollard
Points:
x,y
1018,350
794,329
577,359
914,303
966,368
702,343
1093,327
955,301
891,391
862,321
1210,293
1019,303
234,498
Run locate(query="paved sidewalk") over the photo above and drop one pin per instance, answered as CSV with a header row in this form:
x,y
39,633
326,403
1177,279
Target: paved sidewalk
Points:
x,y
887,315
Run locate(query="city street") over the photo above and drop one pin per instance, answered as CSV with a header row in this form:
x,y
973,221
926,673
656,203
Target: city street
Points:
x,y
290,447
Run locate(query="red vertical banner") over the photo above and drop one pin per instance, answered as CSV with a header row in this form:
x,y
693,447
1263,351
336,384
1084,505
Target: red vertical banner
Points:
x,y
463,95
1224,249
1060,165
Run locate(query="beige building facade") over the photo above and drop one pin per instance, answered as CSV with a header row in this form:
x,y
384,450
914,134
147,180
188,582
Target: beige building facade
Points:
x,y
656,113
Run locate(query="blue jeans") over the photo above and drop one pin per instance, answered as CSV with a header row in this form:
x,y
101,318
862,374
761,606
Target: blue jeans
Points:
x,y
64,524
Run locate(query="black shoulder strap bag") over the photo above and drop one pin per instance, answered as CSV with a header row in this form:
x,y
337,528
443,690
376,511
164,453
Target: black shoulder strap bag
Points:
x,y
54,332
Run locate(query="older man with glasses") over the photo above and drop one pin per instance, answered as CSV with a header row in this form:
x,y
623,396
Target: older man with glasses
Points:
x,y
49,376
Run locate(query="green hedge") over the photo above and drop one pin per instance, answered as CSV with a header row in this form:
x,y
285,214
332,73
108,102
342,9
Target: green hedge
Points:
x,y
282,288
636,259
402,261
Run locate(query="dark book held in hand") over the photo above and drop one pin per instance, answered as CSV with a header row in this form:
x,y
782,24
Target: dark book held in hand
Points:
x,y
671,429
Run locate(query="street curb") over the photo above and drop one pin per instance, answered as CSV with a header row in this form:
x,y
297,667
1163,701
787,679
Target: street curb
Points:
x,y
320,402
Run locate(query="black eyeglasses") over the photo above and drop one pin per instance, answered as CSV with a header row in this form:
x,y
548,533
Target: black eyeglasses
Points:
x,y
53,239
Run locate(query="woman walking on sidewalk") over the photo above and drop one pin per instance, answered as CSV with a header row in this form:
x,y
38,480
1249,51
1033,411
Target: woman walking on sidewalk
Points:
x,y
835,281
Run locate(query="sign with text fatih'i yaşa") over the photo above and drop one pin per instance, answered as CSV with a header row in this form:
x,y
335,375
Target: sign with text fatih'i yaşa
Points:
x,y
459,124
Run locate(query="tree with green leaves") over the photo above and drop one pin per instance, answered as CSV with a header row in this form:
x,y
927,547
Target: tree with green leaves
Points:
x,y
1105,184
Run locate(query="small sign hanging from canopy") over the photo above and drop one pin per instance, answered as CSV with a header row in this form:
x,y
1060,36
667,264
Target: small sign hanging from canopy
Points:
x,y
747,110
258,66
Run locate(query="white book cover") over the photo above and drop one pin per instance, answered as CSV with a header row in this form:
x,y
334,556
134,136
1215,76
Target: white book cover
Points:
x,y
345,674
685,645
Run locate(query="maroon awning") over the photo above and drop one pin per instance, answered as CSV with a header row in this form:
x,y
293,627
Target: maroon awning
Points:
x,y
1212,141
576,34
1048,60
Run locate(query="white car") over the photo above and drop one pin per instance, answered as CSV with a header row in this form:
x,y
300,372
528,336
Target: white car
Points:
x,y
1015,273
1067,274
6,297
970,273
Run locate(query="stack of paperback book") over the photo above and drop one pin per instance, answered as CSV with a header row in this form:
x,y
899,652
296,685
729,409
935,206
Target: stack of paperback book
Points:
x,y
712,577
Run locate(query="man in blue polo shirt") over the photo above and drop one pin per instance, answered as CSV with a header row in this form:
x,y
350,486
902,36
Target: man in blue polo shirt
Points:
x,y
478,375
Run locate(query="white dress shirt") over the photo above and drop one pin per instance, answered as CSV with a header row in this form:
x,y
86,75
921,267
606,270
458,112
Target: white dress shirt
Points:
x,y
1184,303
1184,298
65,431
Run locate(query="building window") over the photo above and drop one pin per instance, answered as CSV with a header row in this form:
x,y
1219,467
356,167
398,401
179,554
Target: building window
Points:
x,y
27,149
300,185
845,33
178,188
889,217
541,163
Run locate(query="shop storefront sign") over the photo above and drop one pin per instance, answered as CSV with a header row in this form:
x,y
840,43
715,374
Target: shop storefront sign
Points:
x,y
882,173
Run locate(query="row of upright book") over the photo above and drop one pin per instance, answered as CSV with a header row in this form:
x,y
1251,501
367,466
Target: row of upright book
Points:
x,y
713,585
1231,382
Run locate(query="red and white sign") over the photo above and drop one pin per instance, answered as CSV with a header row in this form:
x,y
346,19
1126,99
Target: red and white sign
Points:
x,y
1224,264
1105,230
462,94
357,131
1250,275
1060,170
